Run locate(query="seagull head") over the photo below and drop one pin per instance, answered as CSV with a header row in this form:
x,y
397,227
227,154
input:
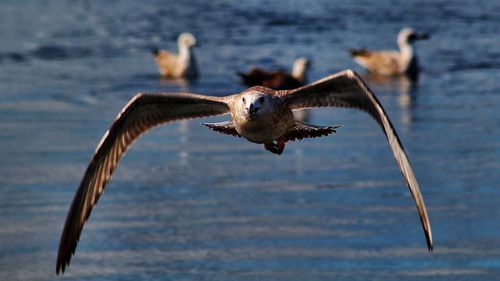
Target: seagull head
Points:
x,y
409,35
187,39
255,103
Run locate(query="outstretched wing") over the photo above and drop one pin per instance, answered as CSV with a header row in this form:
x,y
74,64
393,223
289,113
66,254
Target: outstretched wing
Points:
x,y
143,112
347,89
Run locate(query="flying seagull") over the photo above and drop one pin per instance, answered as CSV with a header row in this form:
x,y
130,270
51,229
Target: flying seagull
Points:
x,y
391,62
258,114
278,80
182,65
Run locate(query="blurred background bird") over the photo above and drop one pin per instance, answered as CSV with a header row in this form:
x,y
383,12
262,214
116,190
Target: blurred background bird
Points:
x,y
181,65
279,79
391,62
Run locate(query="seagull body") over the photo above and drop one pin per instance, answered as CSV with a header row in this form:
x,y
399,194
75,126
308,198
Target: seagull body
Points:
x,y
258,114
278,80
182,65
391,62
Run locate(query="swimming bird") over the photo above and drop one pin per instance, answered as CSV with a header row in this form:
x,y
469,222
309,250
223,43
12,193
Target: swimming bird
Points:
x,y
278,80
391,62
182,65
258,114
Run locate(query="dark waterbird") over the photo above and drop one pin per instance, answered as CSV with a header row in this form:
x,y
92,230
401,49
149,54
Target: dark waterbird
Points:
x,y
277,80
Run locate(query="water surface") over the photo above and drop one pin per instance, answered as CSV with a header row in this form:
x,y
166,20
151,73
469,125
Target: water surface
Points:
x,y
190,204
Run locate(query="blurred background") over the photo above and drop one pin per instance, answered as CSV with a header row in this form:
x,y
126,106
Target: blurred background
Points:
x,y
189,204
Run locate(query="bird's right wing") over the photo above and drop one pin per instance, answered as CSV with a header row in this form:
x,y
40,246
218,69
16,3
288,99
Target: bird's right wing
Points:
x,y
142,113
347,89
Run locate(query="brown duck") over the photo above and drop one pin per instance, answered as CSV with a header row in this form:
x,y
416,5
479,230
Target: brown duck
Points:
x,y
258,114
278,80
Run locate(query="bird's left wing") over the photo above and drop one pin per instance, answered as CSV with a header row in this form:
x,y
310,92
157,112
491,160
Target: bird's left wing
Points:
x,y
347,89
142,113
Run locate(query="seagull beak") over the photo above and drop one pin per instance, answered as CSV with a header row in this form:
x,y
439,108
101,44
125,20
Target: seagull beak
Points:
x,y
252,110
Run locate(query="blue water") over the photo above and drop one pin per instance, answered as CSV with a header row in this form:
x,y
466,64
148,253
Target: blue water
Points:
x,y
189,204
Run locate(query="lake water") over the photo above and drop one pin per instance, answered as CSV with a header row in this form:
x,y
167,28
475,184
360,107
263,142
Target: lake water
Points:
x,y
189,204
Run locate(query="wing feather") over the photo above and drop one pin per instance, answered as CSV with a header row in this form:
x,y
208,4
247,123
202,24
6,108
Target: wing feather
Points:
x,y
347,89
142,113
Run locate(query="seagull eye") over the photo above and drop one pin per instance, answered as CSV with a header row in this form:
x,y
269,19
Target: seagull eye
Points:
x,y
261,99
244,100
